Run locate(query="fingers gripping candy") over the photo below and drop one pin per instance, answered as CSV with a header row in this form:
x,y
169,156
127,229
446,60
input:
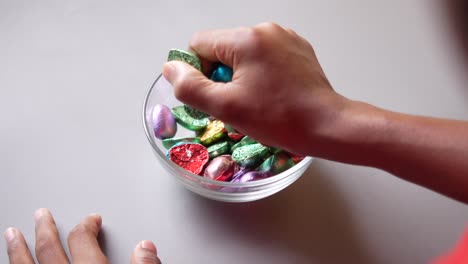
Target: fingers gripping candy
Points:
x,y
222,73
216,151
187,57
192,59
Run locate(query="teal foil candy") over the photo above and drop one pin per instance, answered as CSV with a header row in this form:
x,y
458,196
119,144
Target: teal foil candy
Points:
x,y
222,73
170,142
250,155
277,163
187,121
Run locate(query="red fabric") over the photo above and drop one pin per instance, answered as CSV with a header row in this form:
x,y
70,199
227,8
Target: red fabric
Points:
x,y
458,255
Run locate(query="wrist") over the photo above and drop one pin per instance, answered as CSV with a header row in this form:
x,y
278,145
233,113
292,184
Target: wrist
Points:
x,y
350,132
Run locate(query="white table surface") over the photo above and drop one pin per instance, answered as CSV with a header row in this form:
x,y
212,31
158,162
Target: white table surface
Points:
x,y
73,75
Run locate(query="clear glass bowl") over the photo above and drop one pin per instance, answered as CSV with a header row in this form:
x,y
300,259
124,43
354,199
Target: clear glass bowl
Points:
x,y
161,92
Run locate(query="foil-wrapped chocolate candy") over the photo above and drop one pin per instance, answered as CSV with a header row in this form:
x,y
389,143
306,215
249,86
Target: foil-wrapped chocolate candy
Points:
x,y
218,149
232,133
276,163
239,171
191,156
220,168
243,142
222,73
187,121
213,132
185,56
251,176
275,150
250,155
170,142
192,59
194,113
164,124
296,158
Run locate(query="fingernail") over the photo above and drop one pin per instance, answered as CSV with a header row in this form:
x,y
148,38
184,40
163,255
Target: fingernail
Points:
x,y
148,245
39,214
98,218
10,234
168,71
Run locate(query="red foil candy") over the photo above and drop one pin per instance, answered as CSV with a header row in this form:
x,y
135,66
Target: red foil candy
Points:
x,y
232,133
235,136
191,156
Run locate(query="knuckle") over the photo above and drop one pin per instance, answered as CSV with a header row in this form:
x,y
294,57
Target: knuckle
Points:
x,y
182,88
146,257
253,35
270,26
292,32
13,246
259,36
194,40
77,232
251,41
45,245
226,109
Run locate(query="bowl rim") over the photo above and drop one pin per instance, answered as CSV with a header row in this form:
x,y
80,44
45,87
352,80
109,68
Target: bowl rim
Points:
x,y
162,156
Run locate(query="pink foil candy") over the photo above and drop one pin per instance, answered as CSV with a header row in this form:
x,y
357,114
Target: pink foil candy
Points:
x,y
220,168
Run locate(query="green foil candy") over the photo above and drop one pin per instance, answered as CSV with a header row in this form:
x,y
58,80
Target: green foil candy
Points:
x,y
218,149
243,142
197,114
170,142
187,121
250,155
192,59
277,163
185,56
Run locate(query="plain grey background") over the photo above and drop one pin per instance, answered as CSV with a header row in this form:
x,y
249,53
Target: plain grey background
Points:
x,y
73,75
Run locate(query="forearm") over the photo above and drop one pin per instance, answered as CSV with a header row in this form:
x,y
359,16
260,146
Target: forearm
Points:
x,y
427,151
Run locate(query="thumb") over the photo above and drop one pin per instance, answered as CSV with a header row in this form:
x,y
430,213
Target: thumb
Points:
x,y
195,89
145,253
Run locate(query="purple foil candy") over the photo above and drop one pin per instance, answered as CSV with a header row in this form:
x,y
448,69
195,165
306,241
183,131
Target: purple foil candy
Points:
x,y
239,171
252,176
164,124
